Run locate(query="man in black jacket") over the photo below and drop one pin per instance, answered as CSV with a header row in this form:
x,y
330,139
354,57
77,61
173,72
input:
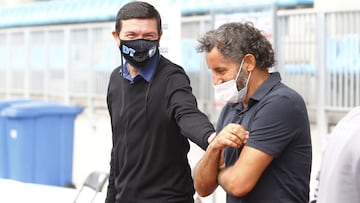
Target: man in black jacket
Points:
x,y
153,114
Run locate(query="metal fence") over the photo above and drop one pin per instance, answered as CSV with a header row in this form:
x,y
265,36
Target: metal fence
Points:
x,y
319,57
68,63
317,54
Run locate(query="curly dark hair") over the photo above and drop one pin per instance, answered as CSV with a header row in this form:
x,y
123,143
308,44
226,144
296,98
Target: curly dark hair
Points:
x,y
235,40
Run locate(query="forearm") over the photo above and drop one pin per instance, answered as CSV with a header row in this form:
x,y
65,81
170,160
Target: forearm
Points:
x,y
182,105
206,172
208,168
228,180
197,128
240,178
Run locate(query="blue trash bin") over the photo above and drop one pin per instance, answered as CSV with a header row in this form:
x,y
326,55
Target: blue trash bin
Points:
x,y
40,142
3,142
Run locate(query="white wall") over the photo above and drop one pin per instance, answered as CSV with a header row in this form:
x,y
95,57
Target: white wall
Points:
x,y
332,5
13,2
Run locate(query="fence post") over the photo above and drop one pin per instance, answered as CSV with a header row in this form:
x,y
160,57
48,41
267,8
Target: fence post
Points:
x,y
8,75
27,68
46,83
67,63
90,85
321,118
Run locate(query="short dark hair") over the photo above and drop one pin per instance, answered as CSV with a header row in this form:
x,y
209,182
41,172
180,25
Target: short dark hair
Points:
x,y
137,9
235,40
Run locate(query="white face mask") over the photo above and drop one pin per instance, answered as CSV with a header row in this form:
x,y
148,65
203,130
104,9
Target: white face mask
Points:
x,y
228,92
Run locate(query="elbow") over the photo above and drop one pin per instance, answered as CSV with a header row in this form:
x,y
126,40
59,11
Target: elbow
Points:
x,y
239,190
204,184
204,187
204,191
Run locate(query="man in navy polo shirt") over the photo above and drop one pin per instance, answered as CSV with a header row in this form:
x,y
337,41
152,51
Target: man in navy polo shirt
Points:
x,y
275,163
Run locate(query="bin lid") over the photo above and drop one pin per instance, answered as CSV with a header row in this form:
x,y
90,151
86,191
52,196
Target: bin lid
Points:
x,y
39,108
7,102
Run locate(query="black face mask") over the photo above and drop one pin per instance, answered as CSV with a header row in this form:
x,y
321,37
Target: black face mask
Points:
x,y
138,52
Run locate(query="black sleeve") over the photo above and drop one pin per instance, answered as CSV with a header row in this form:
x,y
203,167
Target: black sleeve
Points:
x,y
111,192
193,123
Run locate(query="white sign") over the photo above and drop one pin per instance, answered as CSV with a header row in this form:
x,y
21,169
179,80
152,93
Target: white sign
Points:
x,y
262,17
170,42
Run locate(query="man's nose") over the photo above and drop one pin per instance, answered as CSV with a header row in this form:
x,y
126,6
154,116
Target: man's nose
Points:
x,y
217,80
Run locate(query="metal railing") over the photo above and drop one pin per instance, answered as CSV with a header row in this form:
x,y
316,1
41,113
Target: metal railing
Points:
x,y
317,54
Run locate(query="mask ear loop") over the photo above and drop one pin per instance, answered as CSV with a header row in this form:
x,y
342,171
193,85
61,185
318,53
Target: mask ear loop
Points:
x,y
238,73
121,58
122,64
247,81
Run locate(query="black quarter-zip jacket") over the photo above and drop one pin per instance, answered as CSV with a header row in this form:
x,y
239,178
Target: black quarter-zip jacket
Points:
x,y
151,124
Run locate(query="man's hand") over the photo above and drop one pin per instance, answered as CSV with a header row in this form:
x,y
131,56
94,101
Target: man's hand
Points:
x,y
232,135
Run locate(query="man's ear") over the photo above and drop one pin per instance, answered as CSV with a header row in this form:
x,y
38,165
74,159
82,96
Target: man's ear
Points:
x,y
249,62
115,35
160,37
